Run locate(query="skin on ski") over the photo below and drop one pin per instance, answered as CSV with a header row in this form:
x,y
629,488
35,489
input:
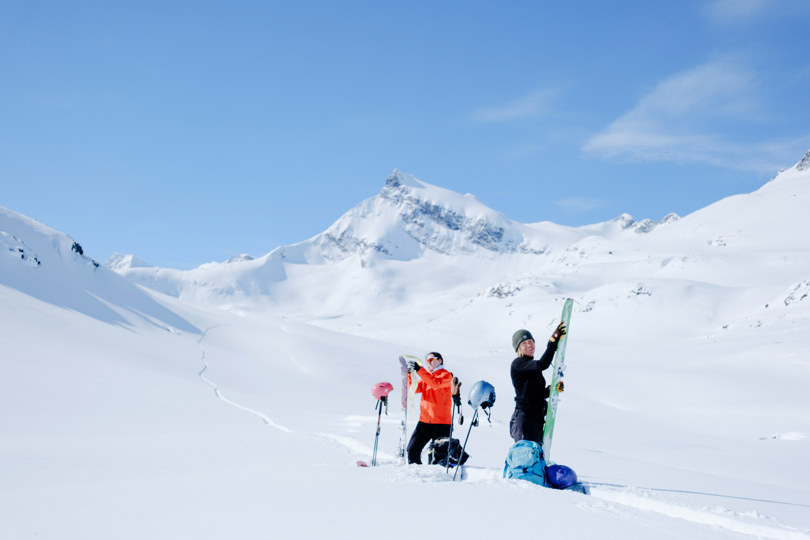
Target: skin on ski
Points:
x,y
403,367
407,395
557,375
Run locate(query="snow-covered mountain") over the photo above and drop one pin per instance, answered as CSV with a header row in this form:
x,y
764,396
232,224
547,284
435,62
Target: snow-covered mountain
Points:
x,y
51,266
408,220
232,400
377,253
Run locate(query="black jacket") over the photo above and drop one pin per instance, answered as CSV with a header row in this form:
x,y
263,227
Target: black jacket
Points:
x,y
530,385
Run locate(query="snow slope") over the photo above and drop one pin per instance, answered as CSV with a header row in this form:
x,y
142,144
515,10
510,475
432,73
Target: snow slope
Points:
x,y
233,400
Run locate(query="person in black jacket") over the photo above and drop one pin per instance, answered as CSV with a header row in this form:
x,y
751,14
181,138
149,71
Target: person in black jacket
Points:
x,y
531,391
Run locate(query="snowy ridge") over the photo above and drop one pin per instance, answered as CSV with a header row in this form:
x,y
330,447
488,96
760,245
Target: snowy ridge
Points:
x,y
53,246
51,266
119,261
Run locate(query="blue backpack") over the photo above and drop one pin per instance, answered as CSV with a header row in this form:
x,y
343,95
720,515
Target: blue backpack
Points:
x,y
525,462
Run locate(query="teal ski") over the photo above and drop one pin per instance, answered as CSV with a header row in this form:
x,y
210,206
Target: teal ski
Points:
x,y
556,377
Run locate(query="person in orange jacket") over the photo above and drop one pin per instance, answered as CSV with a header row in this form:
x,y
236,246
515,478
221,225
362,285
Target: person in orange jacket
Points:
x,y
435,408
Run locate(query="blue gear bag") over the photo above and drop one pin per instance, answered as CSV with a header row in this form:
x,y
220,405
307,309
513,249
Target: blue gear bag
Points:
x,y
525,462
561,477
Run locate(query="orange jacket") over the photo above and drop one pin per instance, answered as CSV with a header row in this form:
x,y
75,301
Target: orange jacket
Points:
x,y
436,403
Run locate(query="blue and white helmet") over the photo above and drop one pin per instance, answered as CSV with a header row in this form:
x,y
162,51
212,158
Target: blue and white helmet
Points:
x,y
482,394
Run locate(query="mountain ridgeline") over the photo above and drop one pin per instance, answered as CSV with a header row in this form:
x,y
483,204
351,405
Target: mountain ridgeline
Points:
x,y
411,228
408,220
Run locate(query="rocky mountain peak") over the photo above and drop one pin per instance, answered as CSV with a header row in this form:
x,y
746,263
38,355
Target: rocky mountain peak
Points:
x,y
431,218
804,163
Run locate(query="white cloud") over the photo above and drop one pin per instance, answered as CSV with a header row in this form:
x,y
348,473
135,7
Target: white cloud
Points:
x,y
684,119
743,12
736,10
580,204
534,104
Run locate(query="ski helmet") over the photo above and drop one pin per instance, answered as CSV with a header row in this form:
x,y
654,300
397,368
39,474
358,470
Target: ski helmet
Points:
x,y
381,390
482,394
560,476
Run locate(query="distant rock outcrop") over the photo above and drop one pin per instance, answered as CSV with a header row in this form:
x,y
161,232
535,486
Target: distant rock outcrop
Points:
x,y
804,163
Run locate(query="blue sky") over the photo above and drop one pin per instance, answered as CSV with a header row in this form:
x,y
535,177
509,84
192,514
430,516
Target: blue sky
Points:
x,y
186,132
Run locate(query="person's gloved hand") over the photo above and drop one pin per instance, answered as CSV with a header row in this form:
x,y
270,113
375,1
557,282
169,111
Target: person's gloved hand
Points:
x,y
558,333
413,366
560,386
455,389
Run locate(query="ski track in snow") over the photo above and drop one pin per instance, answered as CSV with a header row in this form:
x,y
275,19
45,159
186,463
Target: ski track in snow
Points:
x,y
355,447
264,418
641,499
638,498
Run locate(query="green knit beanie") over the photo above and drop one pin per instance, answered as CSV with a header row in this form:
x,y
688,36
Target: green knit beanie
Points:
x,y
519,337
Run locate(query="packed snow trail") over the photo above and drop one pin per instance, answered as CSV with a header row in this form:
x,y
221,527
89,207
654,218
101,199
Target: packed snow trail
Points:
x,y
264,418
688,492
642,499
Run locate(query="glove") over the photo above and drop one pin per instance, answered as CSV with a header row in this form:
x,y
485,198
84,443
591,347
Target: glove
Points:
x,y
558,333
560,386
455,388
413,366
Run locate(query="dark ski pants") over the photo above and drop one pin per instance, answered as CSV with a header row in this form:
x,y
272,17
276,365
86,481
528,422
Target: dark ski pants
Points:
x,y
526,428
422,435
